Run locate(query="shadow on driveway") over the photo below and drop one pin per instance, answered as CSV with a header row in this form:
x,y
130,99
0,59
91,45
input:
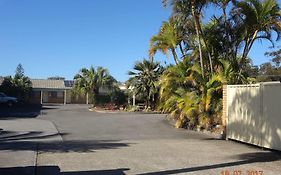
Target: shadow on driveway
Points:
x,y
55,170
8,136
244,159
22,111
247,158
21,142
63,147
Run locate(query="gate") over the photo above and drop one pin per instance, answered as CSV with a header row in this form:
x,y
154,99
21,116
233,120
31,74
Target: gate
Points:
x,y
253,114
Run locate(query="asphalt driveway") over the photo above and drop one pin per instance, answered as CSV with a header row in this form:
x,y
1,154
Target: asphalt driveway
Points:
x,y
130,143
76,122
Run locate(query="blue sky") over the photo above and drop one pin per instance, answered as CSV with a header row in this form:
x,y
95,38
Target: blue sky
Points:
x,y
59,37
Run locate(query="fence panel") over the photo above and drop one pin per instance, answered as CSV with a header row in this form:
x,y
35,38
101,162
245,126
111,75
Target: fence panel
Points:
x,y
253,114
271,121
243,113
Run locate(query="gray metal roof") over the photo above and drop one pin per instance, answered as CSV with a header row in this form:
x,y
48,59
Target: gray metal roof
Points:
x,y
48,84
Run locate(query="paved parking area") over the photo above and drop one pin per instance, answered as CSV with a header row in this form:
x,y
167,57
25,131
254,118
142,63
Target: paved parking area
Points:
x,y
130,143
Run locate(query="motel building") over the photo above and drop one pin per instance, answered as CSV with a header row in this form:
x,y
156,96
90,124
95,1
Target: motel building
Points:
x,y
60,92
54,91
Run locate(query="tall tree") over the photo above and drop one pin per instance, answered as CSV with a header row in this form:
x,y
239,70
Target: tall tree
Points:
x,y
89,81
194,9
271,71
191,90
260,19
19,86
189,96
166,39
144,80
276,57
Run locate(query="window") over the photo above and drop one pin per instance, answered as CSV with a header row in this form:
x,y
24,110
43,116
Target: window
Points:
x,y
52,94
60,94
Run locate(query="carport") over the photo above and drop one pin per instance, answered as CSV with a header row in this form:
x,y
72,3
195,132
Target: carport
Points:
x,y
49,91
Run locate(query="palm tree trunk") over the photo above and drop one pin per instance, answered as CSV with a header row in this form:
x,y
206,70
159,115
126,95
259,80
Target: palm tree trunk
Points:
x,y
224,14
248,45
151,59
198,33
252,41
211,62
198,37
226,27
244,55
95,95
181,49
200,53
175,55
207,48
147,97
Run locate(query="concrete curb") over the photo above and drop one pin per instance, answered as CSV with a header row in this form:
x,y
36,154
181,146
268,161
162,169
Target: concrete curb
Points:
x,y
128,112
106,111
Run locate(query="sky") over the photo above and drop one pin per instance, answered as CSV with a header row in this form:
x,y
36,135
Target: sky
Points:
x,y
59,37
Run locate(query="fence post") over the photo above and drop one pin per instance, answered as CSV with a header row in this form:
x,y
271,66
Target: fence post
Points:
x,y
224,110
261,117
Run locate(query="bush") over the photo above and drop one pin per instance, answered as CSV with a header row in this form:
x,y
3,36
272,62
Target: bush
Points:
x,y
118,97
102,99
20,88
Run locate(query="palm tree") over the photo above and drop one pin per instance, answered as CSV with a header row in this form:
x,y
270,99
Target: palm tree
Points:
x,y
224,40
196,15
166,39
209,90
260,19
104,79
144,78
194,8
89,81
187,90
189,96
174,77
223,5
174,89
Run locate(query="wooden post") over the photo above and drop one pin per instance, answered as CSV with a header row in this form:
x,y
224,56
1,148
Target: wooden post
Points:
x,y
224,110
64,99
134,99
128,100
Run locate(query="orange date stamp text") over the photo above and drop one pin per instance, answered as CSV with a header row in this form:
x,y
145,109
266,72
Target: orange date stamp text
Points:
x,y
241,172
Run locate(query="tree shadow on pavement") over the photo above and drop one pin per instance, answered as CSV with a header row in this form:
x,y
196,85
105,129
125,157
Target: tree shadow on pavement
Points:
x,y
6,136
63,147
244,159
22,111
81,146
55,170
49,142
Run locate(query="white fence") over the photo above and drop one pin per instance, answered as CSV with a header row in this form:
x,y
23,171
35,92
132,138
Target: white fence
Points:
x,y
253,114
